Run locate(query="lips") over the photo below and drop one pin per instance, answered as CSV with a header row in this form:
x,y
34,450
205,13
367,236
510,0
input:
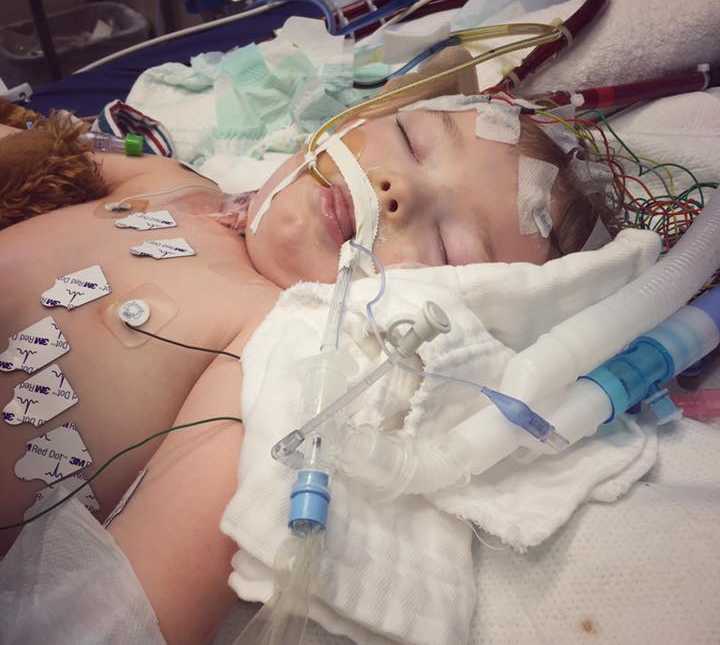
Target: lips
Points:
x,y
337,209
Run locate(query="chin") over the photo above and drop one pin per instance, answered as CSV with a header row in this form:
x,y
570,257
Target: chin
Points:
x,y
286,252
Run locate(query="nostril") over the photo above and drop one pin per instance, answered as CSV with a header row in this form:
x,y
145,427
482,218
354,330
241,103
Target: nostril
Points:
x,y
392,206
385,185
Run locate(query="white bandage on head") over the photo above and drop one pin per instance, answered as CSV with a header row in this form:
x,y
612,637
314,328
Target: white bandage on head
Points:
x,y
365,205
535,182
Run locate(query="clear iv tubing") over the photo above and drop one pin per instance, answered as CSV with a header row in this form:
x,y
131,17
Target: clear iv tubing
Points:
x,y
282,620
331,335
407,94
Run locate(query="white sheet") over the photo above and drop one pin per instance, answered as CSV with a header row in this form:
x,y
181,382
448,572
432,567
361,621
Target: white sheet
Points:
x,y
654,551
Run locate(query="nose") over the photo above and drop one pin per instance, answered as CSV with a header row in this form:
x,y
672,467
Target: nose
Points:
x,y
396,194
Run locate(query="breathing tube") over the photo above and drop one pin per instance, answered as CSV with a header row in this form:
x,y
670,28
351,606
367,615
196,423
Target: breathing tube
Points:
x,y
569,399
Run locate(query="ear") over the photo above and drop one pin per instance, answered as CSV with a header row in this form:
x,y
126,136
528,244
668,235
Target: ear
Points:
x,y
464,82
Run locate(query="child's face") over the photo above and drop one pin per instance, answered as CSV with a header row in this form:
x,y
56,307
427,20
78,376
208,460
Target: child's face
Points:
x,y
446,197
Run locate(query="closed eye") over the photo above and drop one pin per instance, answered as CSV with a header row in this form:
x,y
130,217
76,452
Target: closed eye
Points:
x,y
405,136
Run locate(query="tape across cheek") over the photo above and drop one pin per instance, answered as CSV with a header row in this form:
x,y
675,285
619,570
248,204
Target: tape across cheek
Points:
x,y
162,310
355,141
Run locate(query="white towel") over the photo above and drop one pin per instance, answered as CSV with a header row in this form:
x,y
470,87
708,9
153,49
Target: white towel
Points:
x,y
644,571
402,570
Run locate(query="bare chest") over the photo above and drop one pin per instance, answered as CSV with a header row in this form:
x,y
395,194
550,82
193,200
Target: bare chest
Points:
x,y
125,386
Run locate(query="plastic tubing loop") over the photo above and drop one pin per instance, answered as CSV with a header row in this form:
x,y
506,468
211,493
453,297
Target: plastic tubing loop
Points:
x,y
545,34
582,342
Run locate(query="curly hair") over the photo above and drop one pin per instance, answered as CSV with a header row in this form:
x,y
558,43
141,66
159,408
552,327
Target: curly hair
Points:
x,y
45,168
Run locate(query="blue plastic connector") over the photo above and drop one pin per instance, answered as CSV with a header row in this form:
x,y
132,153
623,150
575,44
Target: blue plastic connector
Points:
x,y
640,372
309,500
520,414
630,377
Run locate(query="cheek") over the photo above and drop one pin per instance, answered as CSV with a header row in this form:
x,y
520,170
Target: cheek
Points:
x,y
286,248
283,171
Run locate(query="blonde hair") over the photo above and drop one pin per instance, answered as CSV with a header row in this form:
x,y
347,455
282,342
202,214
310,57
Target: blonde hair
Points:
x,y
578,207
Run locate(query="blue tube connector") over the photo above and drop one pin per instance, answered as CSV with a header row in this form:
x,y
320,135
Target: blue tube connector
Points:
x,y
640,372
309,500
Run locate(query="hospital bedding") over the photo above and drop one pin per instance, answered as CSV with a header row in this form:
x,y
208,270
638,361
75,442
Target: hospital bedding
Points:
x,y
644,569
87,93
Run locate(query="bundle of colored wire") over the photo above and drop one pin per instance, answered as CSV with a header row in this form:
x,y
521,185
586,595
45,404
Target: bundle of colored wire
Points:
x,y
668,212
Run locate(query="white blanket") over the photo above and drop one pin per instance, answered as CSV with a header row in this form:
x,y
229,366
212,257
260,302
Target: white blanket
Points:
x,y
400,570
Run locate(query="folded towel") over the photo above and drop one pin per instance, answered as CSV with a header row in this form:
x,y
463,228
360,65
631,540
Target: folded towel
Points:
x,y
402,570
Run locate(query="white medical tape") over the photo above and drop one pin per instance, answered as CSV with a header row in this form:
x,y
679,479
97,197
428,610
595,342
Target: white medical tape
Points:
x,y
289,179
590,175
365,205
560,25
451,103
516,100
513,77
498,121
265,206
561,132
535,182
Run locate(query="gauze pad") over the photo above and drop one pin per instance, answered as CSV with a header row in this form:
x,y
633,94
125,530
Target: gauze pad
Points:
x,y
58,453
365,205
535,182
176,247
40,398
75,289
34,347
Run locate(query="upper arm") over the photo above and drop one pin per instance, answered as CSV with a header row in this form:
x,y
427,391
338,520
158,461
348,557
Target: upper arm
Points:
x,y
170,529
127,176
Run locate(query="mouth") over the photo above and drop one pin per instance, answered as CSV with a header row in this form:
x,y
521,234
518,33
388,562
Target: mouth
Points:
x,y
337,209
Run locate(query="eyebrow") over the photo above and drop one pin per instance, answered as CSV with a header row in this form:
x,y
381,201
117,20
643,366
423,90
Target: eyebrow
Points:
x,y
450,126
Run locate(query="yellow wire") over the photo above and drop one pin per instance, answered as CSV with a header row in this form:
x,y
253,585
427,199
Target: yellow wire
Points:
x,y
548,34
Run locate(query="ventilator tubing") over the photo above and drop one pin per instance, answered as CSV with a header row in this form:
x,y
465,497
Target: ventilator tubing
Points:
x,y
582,342
545,375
